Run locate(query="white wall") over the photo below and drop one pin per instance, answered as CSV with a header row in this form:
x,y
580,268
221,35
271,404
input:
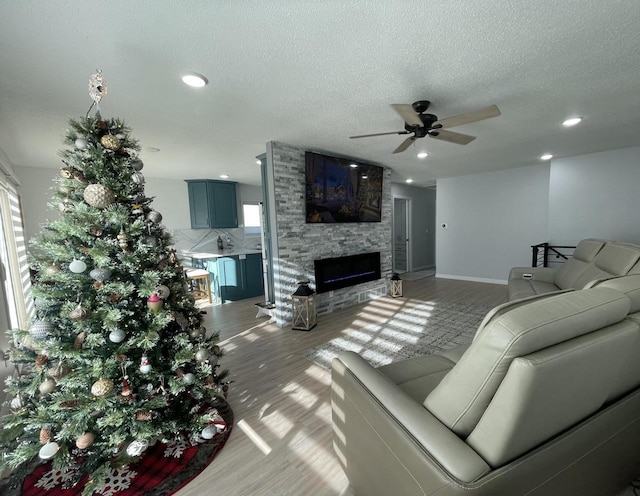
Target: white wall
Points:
x,y
492,220
595,195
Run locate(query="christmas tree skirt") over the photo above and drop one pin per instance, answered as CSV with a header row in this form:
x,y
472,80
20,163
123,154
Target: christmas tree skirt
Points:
x,y
162,470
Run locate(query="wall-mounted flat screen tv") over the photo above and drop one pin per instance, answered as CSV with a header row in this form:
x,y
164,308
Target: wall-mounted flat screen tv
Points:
x,y
342,190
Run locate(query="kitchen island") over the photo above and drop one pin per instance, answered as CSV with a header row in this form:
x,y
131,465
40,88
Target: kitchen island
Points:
x,y
236,274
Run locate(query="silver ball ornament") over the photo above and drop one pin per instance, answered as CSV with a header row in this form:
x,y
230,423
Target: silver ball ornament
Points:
x,y
117,336
40,329
137,177
47,386
202,355
163,291
100,274
208,432
137,447
137,164
154,216
189,378
48,451
77,266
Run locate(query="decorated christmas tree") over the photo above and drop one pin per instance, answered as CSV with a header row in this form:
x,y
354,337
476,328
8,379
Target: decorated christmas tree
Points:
x,y
116,357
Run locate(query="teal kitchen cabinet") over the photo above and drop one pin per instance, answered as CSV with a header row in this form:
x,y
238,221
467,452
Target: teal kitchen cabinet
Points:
x,y
236,277
212,204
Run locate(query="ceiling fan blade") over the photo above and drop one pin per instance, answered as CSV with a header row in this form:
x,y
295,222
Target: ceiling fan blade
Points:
x,y
451,137
407,113
404,145
379,134
478,115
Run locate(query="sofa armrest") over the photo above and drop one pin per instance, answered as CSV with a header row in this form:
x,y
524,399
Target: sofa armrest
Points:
x,y
369,407
542,274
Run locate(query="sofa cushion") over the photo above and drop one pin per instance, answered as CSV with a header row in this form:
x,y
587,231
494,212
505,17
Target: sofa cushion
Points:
x,y
461,398
612,260
418,376
551,390
629,285
523,288
500,310
583,255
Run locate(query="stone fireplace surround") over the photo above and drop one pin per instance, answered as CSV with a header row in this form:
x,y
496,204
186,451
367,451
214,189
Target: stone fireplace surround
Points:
x,y
296,244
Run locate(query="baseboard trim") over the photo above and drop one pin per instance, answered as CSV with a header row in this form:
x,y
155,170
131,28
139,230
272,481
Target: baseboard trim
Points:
x,y
474,279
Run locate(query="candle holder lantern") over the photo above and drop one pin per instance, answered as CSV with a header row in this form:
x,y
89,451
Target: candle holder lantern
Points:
x,y
396,286
304,308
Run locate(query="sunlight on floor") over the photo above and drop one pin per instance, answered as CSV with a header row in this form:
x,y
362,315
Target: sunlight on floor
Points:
x,y
253,435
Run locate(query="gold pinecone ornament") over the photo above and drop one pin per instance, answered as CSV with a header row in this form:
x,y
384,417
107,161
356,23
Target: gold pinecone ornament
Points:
x,y
98,196
102,387
110,142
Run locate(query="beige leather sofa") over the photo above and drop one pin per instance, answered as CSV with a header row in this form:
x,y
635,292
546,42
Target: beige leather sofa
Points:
x,y
593,259
544,401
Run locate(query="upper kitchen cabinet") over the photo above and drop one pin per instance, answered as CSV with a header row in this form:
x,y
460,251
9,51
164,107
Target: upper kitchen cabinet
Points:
x,y
212,204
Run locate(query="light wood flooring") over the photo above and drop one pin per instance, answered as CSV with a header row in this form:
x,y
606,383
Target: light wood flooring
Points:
x,y
281,441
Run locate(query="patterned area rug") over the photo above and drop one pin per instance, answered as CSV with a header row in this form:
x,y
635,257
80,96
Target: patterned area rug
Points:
x,y
417,328
162,471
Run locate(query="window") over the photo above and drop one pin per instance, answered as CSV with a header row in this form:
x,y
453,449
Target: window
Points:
x,y
251,217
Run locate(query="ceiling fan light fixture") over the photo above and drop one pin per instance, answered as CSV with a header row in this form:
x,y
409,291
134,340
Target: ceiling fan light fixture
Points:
x,y
195,80
546,156
572,121
422,155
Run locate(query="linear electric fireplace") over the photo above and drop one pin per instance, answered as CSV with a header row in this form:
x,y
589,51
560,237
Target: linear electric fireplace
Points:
x,y
341,272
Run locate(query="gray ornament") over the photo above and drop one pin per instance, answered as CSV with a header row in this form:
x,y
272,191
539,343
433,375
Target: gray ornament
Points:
x,y
41,329
137,164
202,355
189,378
163,291
151,240
154,216
208,432
137,178
100,274
117,336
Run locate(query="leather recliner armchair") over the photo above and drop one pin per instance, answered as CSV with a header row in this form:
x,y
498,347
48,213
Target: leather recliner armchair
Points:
x,y
544,401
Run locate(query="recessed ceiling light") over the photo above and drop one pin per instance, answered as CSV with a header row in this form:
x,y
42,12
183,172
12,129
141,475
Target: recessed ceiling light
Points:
x,y
423,155
259,162
224,176
572,122
353,166
409,181
546,156
364,176
195,80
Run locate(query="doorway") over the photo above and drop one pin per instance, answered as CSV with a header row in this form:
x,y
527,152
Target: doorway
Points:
x,y
401,234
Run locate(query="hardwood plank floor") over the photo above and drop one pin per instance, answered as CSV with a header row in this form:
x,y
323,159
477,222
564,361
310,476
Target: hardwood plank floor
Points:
x,y
281,441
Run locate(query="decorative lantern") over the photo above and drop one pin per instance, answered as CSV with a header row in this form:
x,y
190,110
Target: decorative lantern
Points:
x,y
396,286
304,308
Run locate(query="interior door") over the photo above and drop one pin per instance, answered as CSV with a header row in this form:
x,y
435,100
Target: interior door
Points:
x,y
401,229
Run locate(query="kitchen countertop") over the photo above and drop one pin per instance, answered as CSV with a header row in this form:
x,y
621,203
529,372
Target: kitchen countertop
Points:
x,y
224,253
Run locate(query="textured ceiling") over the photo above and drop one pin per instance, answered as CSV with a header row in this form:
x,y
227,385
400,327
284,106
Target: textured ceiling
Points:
x,y
313,73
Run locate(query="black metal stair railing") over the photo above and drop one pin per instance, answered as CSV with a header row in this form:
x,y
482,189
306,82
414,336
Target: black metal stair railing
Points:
x,y
546,255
